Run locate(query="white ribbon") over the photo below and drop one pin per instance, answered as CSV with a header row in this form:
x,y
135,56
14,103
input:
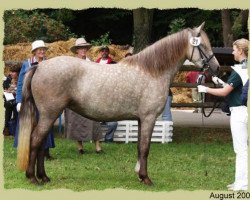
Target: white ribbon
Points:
x,y
195,41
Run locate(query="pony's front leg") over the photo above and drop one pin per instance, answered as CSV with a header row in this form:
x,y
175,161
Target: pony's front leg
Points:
x,y
144,140
137,166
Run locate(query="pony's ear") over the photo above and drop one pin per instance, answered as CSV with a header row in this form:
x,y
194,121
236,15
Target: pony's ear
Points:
x,y
198,30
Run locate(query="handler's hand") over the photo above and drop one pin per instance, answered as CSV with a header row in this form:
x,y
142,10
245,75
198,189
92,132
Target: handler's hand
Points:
x,y
18,107
218,81
202,88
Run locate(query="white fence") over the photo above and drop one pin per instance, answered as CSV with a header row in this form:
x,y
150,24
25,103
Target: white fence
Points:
x,y
127,131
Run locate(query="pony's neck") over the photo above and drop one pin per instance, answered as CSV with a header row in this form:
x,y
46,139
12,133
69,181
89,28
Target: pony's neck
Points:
x,y
164,55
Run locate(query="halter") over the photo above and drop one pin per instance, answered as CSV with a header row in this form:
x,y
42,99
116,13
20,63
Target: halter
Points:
x,y
205,67
204,58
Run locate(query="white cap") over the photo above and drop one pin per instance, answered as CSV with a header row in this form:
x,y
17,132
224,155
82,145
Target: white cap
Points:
x,y
38,44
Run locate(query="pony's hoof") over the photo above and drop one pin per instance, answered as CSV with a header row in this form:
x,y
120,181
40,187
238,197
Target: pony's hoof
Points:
x,y
45,179
147,181
34,181
32,178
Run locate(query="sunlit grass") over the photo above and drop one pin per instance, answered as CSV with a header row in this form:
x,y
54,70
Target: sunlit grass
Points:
x,y
195,160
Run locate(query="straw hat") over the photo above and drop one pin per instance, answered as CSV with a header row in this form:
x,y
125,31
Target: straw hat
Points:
x,y
37,44
80,42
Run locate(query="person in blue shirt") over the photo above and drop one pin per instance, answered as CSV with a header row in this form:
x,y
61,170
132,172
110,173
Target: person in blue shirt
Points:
x,y
232,90
244,95
38,55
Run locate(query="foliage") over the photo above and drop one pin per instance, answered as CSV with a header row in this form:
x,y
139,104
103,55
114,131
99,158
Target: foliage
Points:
x,y
27,26
181,164
94,22
55,24
237,28
63,15
103,40
193,17
176,25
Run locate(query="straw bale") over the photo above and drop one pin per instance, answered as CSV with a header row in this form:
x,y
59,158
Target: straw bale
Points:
x,y
22,51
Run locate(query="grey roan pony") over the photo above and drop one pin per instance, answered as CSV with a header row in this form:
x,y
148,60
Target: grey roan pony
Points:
x,y
134,89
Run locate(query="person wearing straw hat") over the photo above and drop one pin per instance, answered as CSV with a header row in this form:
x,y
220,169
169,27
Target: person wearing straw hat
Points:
x,y
80,48
38,55
79,128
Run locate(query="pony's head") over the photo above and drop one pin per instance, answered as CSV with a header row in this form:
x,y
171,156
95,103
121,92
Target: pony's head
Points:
x,y
200,51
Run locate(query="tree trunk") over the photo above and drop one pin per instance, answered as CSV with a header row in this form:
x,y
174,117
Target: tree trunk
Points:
x,y
143,20
227,28
244,17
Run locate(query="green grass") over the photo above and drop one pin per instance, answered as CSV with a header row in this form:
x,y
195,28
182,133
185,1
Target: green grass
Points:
x,y
195,160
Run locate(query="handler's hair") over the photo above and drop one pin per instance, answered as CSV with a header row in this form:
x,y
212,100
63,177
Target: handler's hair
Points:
x,y
242,44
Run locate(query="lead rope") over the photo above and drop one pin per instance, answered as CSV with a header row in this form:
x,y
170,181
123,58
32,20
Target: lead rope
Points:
x,y
203,114
204,160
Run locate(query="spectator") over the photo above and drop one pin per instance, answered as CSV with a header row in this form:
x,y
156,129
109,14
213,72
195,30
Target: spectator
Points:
x,y
194,77
167,115
112,126
77,127
105,59
38,50
244,95
9,86
7,82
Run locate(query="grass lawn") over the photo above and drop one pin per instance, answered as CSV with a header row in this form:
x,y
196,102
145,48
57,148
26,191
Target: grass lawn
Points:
x,y
197,159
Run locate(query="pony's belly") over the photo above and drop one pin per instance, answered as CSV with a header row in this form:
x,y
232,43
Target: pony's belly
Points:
x,y
106,114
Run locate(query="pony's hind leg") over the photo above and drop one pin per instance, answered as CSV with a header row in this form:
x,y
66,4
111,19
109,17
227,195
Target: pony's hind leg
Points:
x,y
40,173
36,150
30,172
144,140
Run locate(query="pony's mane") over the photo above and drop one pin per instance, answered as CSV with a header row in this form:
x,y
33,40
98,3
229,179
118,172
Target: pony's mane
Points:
x,y
161,55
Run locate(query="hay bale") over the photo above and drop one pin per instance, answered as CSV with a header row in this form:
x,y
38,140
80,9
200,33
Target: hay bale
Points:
x,y
22,51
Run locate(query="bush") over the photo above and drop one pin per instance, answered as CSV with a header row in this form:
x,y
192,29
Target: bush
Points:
x,y
176,25
27,26
103,40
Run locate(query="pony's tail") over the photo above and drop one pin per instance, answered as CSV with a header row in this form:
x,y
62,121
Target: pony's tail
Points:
x,y
27,121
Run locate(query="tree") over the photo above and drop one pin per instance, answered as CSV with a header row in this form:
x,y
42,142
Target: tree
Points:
x,y
234,25
239,27
226,28
143,19
27,26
